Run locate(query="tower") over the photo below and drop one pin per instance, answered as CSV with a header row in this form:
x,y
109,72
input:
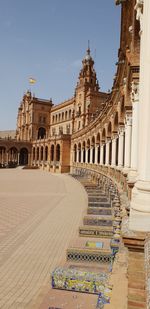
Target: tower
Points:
x,y
87,95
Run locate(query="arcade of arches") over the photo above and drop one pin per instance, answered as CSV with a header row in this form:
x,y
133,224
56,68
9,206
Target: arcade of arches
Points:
x,y
95,130
14,154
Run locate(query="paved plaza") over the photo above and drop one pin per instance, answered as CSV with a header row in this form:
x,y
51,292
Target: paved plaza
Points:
x,y
39,215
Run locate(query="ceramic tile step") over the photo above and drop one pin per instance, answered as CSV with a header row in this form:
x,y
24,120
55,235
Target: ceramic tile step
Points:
x,y
93,188
90,188
96,194
99,210
99,204
88,267
96,231
136,295
85,242
89,183
94,191
97,220
79,281
93,255
97,199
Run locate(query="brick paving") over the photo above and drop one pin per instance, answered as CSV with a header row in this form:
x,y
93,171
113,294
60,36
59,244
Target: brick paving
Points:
x,y
39,214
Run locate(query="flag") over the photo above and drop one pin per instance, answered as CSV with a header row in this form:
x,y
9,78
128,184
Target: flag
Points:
x,y
32,80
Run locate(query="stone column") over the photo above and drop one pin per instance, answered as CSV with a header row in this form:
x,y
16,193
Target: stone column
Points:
x,y
121,142
113,158
91,155
86,155
128,132
35,160
102,154
140,203
44,154
71,157
7,157
77,155
135,124
107,152
96,153
81,155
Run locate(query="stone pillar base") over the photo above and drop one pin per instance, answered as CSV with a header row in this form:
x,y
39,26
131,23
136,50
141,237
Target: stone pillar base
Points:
x,y
140,207
139,221
141,196
132,175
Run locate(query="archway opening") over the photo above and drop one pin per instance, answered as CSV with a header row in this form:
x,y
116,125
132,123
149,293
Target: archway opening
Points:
x,y
52,152
2,156
58,153
46,153
41,133
23,158
75,153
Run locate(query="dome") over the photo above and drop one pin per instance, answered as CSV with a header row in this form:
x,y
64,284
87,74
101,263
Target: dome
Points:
x,y
88,56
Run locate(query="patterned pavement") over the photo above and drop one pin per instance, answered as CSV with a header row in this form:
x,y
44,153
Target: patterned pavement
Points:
x,y
39,215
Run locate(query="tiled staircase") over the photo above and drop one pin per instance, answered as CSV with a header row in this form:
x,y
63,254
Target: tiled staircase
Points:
x,y
98,241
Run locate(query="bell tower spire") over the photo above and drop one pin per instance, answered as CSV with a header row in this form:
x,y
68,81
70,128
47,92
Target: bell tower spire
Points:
x,y
86,92
87,75
88,49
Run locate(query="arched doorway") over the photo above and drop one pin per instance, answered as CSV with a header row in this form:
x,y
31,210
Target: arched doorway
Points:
x,y
41,133
12,157
23,158
52,152
2,156
75,153
58,153
46,153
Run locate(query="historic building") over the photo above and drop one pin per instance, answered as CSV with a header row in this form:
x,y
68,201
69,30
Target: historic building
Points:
x,y
95,132
93,129
49,129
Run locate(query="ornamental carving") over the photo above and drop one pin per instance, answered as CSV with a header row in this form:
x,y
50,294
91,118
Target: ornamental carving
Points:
x,y
139,12
128,119
134,91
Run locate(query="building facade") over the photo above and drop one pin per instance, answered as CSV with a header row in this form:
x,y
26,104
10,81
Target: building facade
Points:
x,y
102,132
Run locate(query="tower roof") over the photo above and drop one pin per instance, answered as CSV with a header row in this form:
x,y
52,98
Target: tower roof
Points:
x,y
87,75
88,54
88,58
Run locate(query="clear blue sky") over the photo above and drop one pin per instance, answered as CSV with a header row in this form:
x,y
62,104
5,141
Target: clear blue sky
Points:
x,y
47,39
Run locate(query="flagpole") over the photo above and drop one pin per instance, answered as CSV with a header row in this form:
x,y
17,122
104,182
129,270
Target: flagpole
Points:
x,y
32,81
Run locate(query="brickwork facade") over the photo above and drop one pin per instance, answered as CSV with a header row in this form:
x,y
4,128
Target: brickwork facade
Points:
x,y
93,127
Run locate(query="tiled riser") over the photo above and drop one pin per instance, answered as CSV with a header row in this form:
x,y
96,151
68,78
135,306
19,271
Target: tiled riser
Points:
x,y
81,257
97,204
98,199
97,211
97,222
95,233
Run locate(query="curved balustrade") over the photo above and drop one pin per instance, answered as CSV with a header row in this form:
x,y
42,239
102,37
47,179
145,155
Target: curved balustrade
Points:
x,y
116,175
